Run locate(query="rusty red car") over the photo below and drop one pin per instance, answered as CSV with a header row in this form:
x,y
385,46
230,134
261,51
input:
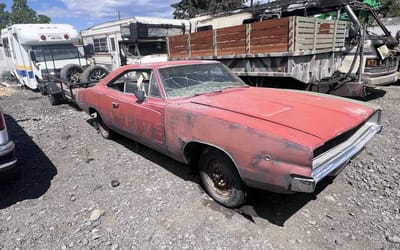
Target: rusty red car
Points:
x,y
200,113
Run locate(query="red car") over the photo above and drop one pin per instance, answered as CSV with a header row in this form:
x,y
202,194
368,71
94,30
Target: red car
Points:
x,y
200,112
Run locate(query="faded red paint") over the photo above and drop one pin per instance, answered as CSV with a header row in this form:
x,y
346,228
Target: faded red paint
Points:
x,y
249,124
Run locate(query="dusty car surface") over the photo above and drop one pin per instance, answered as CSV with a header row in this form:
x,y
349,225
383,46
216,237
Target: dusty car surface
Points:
x,y
199,112
8,161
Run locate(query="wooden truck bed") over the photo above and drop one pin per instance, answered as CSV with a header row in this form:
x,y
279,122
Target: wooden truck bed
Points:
x,y
289,35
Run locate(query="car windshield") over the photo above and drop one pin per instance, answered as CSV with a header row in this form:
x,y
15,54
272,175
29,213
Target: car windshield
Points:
x,y
152,48
197,79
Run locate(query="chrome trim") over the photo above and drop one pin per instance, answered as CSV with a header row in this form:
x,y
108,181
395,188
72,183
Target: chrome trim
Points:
x,y
7,148
303,185
332,160
370,79
8,165
344,152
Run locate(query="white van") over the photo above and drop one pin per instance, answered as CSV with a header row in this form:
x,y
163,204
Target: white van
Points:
x,y
33,52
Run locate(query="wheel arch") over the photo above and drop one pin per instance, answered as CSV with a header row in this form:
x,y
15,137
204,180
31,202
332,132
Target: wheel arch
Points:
x,y
92,111
192,151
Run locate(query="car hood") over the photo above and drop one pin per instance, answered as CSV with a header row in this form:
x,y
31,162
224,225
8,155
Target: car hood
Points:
x,y
318,115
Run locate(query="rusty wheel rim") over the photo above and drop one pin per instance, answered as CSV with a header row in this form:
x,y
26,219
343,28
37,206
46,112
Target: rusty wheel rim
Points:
x,y
217,179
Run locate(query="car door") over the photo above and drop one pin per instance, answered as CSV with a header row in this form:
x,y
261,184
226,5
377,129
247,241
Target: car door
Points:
x,y
139,121
150,113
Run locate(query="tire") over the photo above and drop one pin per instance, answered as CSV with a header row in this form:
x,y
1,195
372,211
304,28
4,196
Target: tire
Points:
x,y
56,99
71,73
103,129
43,88
220,178
94,73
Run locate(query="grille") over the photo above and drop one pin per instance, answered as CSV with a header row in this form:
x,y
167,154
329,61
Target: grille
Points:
x,y
335,141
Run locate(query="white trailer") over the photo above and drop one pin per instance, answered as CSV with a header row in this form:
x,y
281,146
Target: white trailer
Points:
x,y
131,40
34,52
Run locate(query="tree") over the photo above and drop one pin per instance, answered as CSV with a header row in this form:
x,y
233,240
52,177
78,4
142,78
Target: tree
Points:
x,y
43,19
190,8
20,13
390,8
4,16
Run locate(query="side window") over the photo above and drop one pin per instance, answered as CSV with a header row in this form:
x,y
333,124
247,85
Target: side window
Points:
x,y
130,81
153,90
112,44
6,47
126,82
100,45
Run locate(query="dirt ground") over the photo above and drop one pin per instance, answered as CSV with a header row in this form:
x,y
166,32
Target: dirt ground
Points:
x,y
77,190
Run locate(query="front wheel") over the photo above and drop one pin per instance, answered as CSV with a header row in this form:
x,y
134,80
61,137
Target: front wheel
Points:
x,y
220,178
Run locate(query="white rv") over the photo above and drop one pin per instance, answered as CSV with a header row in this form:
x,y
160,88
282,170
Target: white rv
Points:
x,y
33,52
131,40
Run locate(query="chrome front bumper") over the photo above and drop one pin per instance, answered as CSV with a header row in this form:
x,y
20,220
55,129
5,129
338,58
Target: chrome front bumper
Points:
x,y
337,157
380,80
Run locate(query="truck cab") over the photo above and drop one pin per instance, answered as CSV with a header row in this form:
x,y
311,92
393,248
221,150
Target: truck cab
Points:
x,y
131,40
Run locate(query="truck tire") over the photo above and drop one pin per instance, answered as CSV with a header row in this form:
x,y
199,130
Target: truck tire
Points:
x,y
71,73
220,178
56,99
42,86
94,73
43,89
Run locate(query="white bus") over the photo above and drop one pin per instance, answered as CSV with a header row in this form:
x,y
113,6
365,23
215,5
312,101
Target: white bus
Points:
x,y
33,52
131,40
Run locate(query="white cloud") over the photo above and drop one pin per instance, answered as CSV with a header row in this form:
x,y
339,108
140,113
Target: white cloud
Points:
x,y
110,8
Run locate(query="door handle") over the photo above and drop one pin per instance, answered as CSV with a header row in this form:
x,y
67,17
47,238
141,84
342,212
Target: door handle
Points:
x,y
115,104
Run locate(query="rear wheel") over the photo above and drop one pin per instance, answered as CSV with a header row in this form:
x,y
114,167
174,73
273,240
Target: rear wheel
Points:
x,y
220,178
103,129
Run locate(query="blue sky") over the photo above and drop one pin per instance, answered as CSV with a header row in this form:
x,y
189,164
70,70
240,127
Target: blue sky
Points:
x,y
83,14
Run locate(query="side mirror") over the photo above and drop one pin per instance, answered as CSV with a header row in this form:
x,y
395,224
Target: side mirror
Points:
x,y
140,96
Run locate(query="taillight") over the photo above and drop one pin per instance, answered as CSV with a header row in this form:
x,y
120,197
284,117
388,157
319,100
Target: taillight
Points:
x,y
1,122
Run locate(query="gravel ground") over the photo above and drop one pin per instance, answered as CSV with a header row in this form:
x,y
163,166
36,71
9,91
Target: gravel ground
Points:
x,y
77,190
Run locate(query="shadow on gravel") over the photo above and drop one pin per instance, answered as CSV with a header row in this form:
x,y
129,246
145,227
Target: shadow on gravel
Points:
x,y
181,170
35,170
374,94
278,208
